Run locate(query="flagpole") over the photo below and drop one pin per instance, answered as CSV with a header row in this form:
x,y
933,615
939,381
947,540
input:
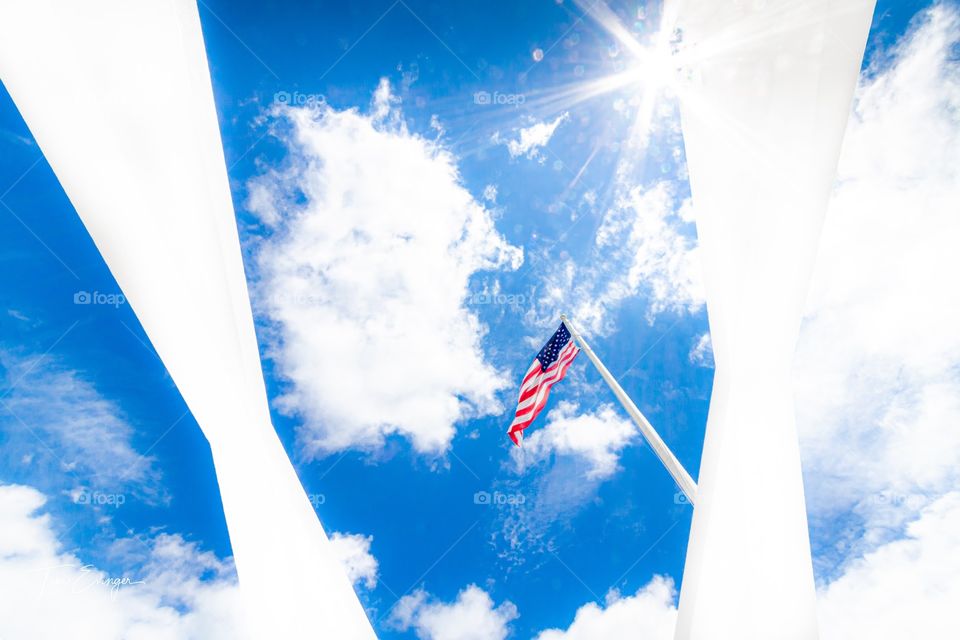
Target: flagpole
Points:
x,y
680,475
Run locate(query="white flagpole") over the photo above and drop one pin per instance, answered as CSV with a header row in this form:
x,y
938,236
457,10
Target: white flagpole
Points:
x,y
680,475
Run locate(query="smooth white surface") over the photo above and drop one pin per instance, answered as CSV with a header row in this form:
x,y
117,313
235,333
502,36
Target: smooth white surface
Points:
x,y
765,93
118,96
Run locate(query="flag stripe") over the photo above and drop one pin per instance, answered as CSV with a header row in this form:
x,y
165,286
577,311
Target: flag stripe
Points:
x,y
558,355
548,376
544,389
563,353
521,424
530,388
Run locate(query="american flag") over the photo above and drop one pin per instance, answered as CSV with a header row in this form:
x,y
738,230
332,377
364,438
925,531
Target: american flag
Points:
x,y
548,368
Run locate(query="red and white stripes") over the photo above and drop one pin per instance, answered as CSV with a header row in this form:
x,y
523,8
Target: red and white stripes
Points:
x,y
535,389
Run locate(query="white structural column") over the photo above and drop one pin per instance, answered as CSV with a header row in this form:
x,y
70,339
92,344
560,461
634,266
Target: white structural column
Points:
x,y
765,92
118,96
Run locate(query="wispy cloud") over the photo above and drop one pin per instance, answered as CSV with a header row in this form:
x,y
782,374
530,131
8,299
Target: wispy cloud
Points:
x,y
644,247
530,140
702,352
563,464
62,433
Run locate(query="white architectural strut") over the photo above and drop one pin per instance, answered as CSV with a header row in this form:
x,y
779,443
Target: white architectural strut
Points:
x,y
118,95
765,92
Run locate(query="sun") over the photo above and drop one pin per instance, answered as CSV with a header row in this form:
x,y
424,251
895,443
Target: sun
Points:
x,y
649,75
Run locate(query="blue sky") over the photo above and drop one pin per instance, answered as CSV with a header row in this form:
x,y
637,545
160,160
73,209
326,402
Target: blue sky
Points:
x,y
592,519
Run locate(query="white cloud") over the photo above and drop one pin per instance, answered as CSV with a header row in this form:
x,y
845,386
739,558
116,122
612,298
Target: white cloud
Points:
x,y
597,438
649,614
641,248
472,616
364,276
13,313
176,590
878,362
173,590
533,138
644,224
702,352
878,388
564,462
78,440
353,551
903,589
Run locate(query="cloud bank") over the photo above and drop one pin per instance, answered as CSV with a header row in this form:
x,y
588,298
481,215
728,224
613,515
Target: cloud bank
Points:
x,y
649,614
878,362
173,591
472,616
371,245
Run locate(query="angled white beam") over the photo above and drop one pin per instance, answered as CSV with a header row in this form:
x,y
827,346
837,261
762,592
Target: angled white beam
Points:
x,y
765,94
118,96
